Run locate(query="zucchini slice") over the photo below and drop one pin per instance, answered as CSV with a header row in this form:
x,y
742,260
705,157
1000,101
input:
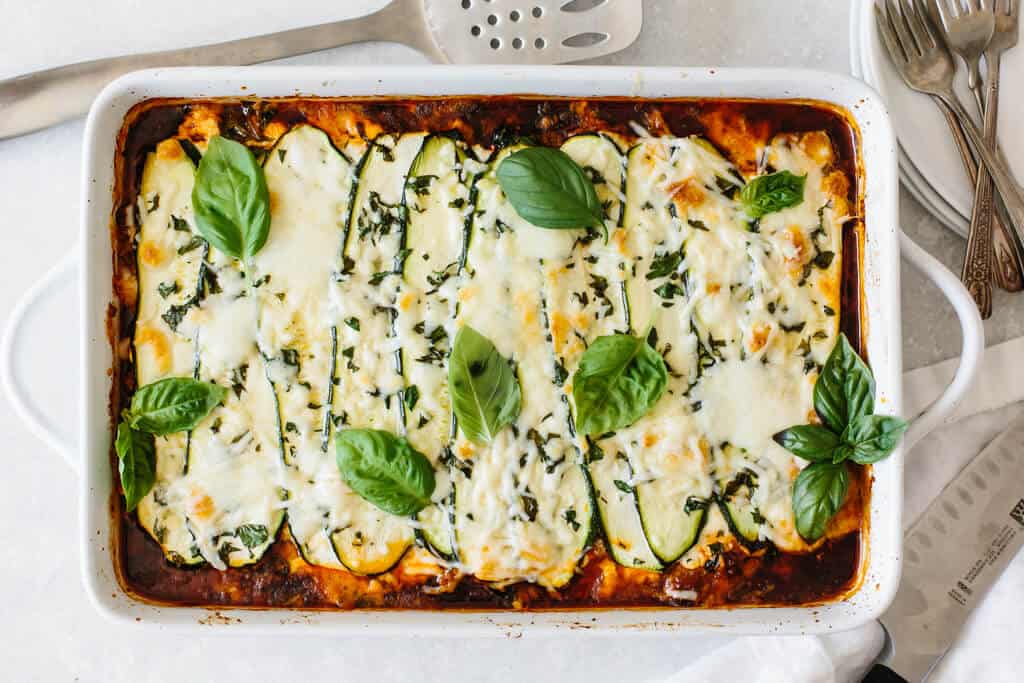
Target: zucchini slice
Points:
x,y
369,391
617,502
672,517
311,182
438,201
168,284
738,488
522,503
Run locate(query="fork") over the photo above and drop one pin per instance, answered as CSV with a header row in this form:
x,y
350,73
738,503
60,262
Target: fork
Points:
x,y
926,66
967,30
971,31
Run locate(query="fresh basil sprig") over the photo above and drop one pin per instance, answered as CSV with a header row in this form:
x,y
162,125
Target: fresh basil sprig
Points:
x,y
230,199
773,192
385,470
550,190
485,392
173,404
136,464
844,397
619,379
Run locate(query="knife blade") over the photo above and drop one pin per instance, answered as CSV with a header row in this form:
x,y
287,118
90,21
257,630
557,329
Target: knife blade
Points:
x,y
953,554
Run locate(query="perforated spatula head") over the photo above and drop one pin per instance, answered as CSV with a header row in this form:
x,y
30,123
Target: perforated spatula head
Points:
x,y
532,31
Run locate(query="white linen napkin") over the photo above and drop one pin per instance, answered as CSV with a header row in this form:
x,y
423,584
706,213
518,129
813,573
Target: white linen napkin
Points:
x,y
993,402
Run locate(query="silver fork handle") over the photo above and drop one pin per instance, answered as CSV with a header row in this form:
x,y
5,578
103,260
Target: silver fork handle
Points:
x,y
43,98
1008,266
1001,174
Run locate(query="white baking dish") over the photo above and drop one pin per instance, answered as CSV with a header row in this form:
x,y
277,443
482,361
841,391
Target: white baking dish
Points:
x,y
881,288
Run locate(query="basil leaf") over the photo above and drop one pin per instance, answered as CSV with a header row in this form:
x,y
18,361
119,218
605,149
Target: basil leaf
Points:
x,y
384,470
550,190
818,493
230,199
873,437
136,463
485,392
845,390
773,192
173,404
842,452
620,378
811,442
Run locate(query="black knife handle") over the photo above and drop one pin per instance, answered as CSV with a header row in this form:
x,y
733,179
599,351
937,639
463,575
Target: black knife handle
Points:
x,y
882,674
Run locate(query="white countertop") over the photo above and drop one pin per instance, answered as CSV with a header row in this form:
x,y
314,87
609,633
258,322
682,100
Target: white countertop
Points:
x,y
51,632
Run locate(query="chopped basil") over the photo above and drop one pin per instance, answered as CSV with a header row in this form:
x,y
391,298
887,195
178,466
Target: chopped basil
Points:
x,y
165,289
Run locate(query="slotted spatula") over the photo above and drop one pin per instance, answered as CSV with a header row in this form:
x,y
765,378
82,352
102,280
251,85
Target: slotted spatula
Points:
x,y
460,31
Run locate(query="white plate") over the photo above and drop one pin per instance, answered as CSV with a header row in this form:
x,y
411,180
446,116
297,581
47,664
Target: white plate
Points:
x,y
921,128
909,175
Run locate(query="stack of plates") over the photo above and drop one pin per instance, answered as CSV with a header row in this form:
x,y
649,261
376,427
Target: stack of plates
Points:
x,y
930,165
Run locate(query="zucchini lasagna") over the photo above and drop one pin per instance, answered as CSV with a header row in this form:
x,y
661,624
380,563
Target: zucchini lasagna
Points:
x,y
389,233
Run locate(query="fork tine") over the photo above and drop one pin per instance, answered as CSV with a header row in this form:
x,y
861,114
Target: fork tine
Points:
x,y
885,28
927,13
922,34
896,20
941,12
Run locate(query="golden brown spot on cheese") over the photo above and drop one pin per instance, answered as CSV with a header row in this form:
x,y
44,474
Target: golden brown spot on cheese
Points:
x,y
837,186
151,254
759,337
812,417
344,125
275,201
828,285
650,439
687,193
817,146
467,293
526,306
466,449
619,240
705,448
200,124
741,139
157,340
406,301
795,257
169,150
712,288
201,506
274,130
560,328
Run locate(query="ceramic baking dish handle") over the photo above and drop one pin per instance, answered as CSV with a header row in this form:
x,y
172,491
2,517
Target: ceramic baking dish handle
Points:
x,y
38,423
971,329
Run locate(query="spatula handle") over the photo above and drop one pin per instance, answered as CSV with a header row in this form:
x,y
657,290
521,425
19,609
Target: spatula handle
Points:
x,y
44,98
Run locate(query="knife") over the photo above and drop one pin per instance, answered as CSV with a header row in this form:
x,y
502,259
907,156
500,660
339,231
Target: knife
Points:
x,y
953,554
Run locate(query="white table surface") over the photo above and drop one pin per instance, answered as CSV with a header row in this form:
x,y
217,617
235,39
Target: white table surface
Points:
x,y
49,631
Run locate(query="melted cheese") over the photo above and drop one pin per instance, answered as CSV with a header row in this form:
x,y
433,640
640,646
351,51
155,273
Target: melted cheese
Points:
x,y
378,254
